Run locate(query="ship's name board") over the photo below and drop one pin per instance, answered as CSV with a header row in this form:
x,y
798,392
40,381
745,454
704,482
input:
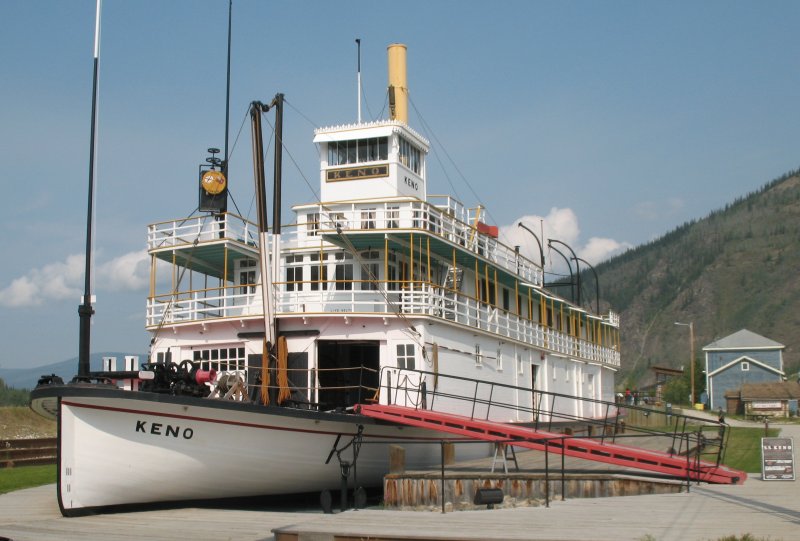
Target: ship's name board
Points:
x,y
357,173
163,429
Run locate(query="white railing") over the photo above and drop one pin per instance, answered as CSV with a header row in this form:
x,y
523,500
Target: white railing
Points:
x,y
201,305
385,216
187,231
430,300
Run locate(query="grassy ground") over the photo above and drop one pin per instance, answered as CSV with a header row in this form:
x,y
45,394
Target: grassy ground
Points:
x,y
744,448
18,422
25,477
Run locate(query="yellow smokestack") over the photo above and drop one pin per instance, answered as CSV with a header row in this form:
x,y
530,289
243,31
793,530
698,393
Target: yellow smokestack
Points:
x,y
398,86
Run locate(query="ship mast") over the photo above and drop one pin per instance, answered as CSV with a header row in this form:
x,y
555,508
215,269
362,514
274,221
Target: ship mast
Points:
x,y
256,108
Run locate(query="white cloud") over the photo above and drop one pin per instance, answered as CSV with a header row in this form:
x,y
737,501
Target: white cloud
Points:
x,y
64,280
559,224
599,249
128,272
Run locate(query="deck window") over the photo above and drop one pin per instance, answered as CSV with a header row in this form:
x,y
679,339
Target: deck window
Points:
x,y
405,356
344,271
370,270
294,272
312,224
247,276
319,272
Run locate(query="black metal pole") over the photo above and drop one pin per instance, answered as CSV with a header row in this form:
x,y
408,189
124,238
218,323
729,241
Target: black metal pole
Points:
x,y
563,476
547,473
256,108
85,310
442,446
277,103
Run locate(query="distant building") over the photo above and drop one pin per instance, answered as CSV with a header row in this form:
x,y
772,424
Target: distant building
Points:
x,y
653,385
743,357
773,399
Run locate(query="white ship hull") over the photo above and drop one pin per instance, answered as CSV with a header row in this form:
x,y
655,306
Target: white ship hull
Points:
x,y
120,448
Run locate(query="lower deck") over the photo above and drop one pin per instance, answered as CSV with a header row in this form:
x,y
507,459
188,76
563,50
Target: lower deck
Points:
x,y
336,362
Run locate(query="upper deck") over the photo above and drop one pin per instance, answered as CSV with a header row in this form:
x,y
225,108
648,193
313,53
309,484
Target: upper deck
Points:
x,y
219,246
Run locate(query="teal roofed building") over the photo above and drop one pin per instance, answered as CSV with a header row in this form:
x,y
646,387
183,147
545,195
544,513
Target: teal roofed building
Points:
x,y
743,357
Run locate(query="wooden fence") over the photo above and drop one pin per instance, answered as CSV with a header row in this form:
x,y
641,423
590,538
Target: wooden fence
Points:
x,y
27,452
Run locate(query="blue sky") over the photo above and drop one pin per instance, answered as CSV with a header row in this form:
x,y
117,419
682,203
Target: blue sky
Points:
x,y
613,121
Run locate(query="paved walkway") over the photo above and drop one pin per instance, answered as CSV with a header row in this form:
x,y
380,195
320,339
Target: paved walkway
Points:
x,y
764,509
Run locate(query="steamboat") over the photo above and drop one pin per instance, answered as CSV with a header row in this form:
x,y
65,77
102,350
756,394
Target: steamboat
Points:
x,y
267,342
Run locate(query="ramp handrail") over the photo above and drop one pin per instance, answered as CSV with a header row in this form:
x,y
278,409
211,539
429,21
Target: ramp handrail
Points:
x,y
687,435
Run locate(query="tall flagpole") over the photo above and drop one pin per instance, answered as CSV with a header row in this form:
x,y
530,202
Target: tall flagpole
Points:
x,y
228,92
85,310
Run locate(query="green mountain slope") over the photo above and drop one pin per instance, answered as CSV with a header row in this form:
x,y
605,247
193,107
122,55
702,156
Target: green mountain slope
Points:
x,y
737,268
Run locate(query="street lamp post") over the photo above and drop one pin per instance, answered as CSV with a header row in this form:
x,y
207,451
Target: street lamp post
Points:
x,y
571,276
576,284
596,284
691,360
538,243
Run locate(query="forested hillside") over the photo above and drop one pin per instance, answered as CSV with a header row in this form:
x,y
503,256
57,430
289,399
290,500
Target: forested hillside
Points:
x,y
737,268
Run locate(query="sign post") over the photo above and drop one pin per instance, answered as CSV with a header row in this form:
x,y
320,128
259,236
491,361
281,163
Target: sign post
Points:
x,y
777,459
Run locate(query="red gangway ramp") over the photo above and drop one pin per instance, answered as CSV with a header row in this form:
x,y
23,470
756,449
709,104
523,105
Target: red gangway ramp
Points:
x,y
587,449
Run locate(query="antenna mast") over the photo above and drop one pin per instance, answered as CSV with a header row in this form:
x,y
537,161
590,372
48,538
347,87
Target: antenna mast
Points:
x,y
358,44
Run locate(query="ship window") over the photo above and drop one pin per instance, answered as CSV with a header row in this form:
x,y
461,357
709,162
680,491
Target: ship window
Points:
x,y
358,151
391,272
393,217
312,223
344,271
294,272
478,356
337,220
247,280
319,272
368,218
370,270
410,156
405,356
220,359
745,366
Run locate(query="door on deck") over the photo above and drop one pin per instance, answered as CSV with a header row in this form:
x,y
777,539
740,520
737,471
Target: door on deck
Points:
x,y
347,371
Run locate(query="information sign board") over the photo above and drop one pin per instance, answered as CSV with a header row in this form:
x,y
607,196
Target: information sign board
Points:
x,y
777,459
